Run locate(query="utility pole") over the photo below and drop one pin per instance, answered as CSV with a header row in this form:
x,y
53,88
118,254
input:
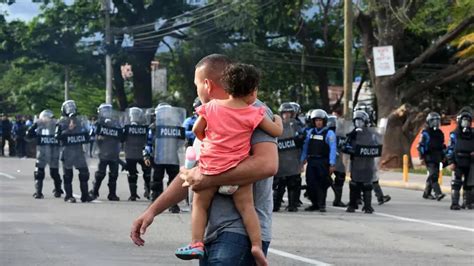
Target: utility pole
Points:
x,y
108,58
347,57
66,83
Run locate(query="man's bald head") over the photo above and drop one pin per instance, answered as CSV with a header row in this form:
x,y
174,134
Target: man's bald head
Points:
x,y
213,67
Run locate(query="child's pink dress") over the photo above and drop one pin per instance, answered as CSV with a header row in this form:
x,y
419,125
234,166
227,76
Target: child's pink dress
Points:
x,y
228,134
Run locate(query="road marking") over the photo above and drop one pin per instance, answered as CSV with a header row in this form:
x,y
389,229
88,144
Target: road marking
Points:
x,y
296,257
425,222
7,175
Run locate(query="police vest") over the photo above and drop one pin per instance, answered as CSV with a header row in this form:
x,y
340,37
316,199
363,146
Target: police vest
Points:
x,y
317,146
436,140
463,148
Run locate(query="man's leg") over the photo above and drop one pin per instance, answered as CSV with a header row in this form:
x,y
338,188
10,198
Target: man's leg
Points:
x,y
294,185
354,193
456,184
113,176
433,175
132,179
427,192
83,184
381,198
146,178
322,184
99,176
172,171
230,249
367,190
311,189
279,184
68,185
339,178
39,177
54,173
156,184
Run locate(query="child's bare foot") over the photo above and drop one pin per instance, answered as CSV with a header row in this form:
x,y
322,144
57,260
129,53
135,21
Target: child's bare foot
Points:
x,y
259,256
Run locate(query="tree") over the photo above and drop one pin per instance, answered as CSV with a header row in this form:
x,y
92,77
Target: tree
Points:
x,y
390,23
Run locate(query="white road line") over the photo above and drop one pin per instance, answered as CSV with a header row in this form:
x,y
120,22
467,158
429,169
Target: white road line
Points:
x,y
425,222
296,257
7,175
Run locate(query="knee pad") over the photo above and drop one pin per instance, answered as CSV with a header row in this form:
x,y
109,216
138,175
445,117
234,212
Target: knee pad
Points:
x,y
39,173
456,184
367,186
132,179
99,174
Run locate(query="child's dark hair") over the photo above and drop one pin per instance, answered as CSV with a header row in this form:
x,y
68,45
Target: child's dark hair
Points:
x,y
240,79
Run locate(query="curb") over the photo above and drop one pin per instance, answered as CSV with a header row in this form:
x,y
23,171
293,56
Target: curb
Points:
x,y
408,185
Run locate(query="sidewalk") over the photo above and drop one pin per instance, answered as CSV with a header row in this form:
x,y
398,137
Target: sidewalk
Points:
x,y
415,181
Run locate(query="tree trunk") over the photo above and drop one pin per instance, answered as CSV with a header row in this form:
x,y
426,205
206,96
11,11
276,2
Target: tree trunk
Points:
x,y
323,87
119,89
142,80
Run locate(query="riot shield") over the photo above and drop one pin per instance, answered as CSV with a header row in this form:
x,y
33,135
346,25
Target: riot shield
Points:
x,y
47,147
73,134
109,132
367,145
343,127
135,132
288,152
149,115
169,134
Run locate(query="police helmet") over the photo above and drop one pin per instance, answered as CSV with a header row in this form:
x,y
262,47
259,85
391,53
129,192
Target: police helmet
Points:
x,y
296,106
433,120
464,118
135,115
105,110
360,119
332,120
286,107
196,103
46,114
163,104
319,114
68,108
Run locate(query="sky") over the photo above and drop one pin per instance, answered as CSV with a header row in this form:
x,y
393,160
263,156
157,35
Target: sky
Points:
x,y
22,10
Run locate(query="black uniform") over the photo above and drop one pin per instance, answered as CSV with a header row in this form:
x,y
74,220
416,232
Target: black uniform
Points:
x,y
431,148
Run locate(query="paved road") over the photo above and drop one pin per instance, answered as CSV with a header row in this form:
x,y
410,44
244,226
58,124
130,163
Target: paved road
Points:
x,y
406,231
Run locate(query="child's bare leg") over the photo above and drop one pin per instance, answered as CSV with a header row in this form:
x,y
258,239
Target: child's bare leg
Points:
x,y
201,202
243,200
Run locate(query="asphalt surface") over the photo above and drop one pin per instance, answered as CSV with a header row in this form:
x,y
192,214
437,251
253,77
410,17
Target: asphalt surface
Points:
x,y
405,231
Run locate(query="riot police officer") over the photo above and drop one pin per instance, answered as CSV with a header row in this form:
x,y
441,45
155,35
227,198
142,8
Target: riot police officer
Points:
x,y
289,171
381,198
108,136
134,139
47,153
319,151
165,137
340,170
363,144
72,131
461,157
431,149
189,123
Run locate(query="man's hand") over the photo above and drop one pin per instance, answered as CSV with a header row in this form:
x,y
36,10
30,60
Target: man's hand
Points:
x,y
147,162
193,178
139,227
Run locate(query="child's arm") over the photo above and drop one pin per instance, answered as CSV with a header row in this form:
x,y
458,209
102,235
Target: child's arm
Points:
x,y
273,128
199,128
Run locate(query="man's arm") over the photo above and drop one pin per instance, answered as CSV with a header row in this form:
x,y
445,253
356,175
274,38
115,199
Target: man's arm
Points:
x,y
262,164
171,196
